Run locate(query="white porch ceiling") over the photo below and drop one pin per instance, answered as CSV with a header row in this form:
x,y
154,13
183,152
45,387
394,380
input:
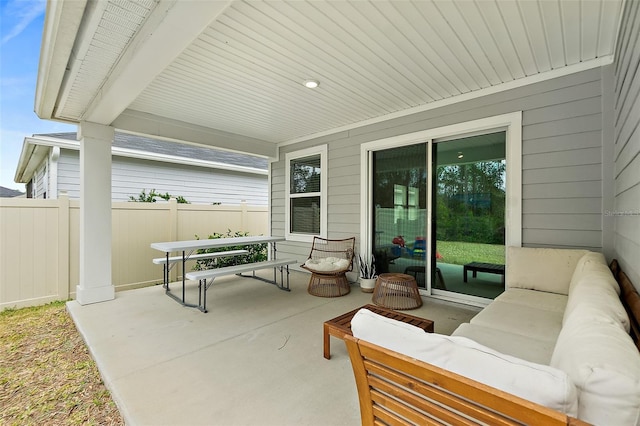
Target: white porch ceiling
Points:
x,y
230,73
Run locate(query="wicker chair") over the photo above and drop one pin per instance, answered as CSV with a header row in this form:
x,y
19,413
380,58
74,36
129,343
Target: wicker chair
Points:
x,y
328,262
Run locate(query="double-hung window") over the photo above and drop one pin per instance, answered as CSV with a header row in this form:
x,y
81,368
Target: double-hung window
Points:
x,y
306,199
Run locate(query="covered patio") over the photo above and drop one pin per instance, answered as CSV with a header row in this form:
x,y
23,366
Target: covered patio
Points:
x,y
254,358
559,77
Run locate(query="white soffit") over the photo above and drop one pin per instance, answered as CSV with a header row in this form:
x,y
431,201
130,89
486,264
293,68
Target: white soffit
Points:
x,y
108,28
243,74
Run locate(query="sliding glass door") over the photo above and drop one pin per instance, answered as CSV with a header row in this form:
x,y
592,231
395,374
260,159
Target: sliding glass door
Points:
x,y
442,204
460,183
399,196
468,214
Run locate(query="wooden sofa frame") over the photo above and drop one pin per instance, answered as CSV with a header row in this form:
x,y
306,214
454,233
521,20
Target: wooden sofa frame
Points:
x,y
394,389
630,300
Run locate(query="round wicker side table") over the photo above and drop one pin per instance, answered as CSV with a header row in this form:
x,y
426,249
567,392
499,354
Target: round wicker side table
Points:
x,y
396,291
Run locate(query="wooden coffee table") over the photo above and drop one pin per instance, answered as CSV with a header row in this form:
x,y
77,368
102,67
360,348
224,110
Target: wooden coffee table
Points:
x,y
341,326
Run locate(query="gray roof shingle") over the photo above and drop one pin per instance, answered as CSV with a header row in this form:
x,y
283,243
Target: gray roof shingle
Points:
x,y
159,146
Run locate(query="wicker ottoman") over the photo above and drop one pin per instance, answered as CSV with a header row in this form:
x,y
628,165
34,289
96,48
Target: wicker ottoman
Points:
x,y
397,291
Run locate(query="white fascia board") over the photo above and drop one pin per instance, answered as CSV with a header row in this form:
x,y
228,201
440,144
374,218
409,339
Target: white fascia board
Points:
x,y
90,20
25,155
50,141
171,28
142,155
61,24
31,157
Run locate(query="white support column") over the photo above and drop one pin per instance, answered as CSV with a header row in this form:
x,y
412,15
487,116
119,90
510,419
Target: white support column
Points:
x,y
95,213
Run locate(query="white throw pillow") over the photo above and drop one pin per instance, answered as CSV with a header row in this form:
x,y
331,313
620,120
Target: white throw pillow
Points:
x,y
535,382
604,364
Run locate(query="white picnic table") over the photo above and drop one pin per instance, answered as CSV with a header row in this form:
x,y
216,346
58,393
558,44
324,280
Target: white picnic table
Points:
x,y
186,251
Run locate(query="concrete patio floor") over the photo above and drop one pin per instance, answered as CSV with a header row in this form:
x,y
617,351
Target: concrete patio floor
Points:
x,y
254,359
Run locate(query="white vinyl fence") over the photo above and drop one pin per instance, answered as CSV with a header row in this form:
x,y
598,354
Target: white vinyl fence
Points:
x,y
39,242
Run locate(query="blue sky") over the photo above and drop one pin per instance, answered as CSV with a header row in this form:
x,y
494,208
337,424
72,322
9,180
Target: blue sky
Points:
x,y
21,23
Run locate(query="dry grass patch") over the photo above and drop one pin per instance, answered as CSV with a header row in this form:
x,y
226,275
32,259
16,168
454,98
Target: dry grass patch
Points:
x,y
46,374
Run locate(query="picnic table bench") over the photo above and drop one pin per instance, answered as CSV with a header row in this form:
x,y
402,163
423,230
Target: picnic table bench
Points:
x,y
168,262
211,274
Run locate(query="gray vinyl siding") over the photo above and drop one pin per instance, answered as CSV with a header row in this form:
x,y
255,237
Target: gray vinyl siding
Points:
x,y
199,185
69,173
627,143
561,158
40,181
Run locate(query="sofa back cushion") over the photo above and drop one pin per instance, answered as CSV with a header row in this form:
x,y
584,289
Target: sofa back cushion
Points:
x,y
593,298
535,382
543,269
593,264
603,362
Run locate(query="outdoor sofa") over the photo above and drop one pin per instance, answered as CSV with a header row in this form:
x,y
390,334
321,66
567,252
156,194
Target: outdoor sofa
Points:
x,y
559,346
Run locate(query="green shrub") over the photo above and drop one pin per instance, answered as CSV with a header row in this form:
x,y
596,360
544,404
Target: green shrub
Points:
x,y
143,197
257,252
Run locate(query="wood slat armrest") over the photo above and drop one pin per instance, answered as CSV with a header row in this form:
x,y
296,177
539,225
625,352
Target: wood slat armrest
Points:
x,y
630,299
393,387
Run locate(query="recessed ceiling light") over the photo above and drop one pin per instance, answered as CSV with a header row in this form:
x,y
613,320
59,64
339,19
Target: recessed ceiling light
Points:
x,y
311,84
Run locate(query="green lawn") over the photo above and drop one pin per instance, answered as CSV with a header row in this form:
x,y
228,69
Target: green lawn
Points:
x,y
459,253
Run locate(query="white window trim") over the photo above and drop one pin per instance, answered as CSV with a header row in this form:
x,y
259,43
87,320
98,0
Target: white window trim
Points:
x,y
323,151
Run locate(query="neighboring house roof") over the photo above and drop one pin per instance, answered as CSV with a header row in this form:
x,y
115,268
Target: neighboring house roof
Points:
x,y
35,148
9,193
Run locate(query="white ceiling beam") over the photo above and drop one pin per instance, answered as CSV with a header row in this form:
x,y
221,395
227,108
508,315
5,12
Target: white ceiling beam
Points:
x,y
172,26
165,128
61,24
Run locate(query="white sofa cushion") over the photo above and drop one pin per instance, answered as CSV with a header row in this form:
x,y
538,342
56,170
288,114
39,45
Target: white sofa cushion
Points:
x,y
535,382
525,320
534,299
543,269
327,264
593,298
604,364
591,264
517,345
